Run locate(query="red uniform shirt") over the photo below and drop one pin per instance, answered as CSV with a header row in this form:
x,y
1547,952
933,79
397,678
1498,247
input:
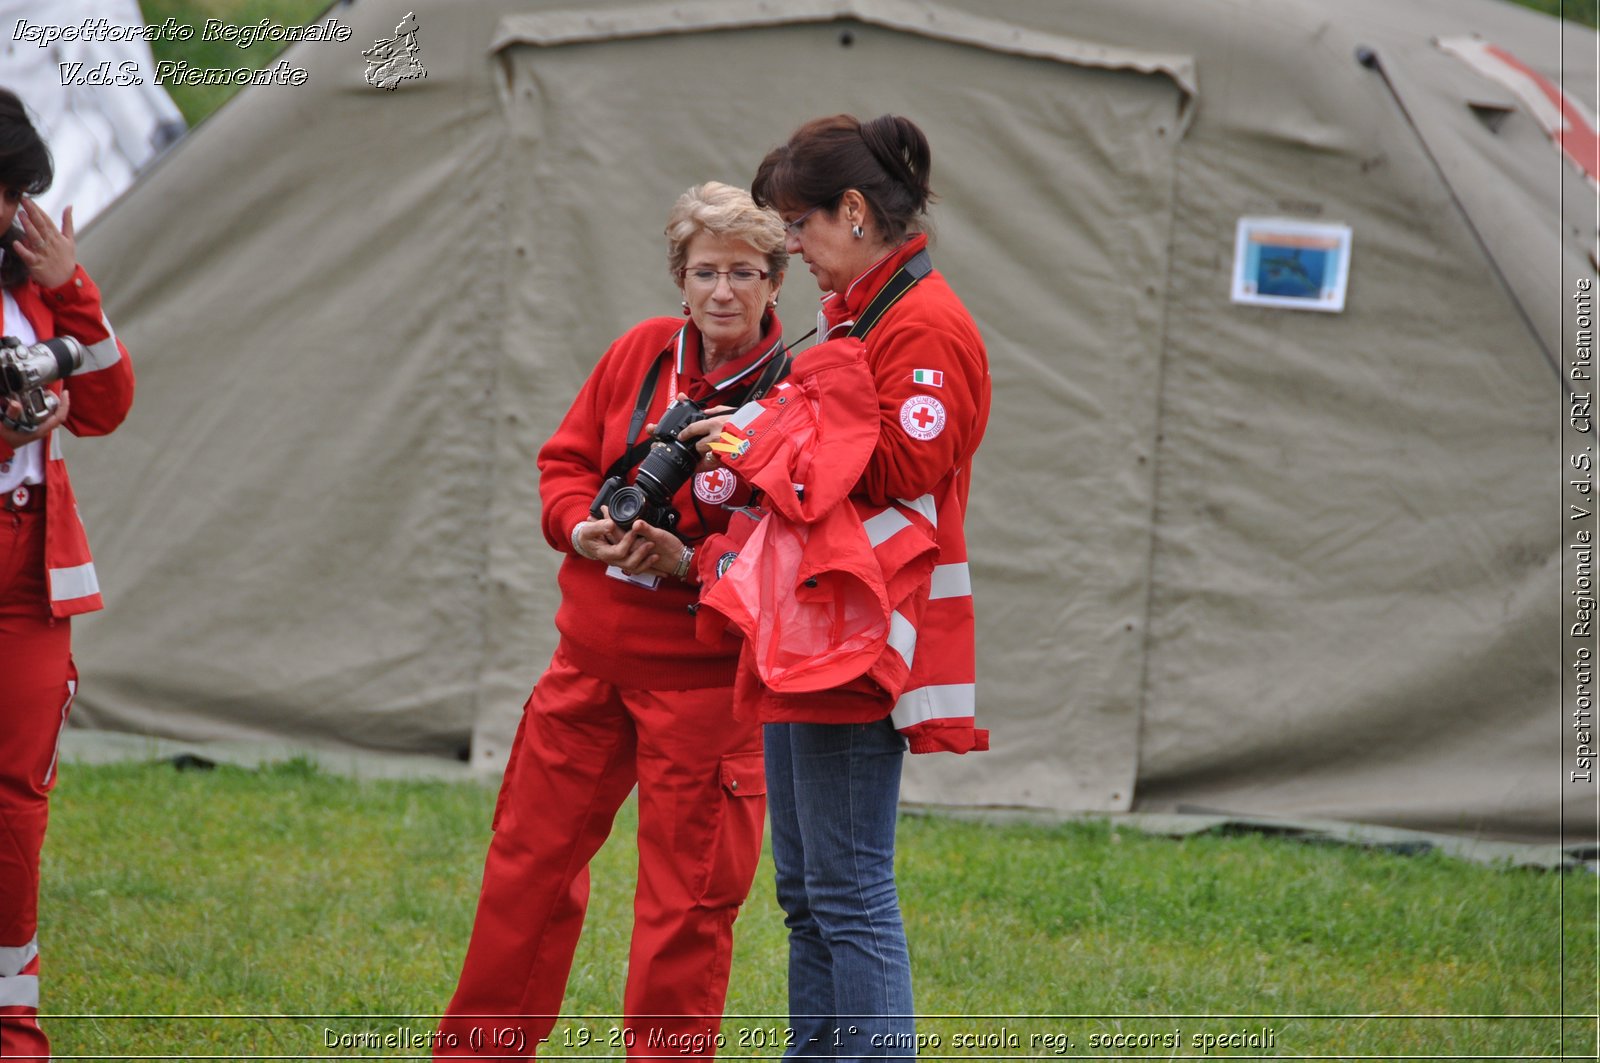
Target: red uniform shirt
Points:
x,y
613,629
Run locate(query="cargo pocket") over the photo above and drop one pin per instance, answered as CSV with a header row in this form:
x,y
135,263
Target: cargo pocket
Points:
x,y
502,802
735,849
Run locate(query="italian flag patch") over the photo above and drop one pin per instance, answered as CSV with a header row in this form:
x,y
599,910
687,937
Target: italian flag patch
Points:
x,y
934,378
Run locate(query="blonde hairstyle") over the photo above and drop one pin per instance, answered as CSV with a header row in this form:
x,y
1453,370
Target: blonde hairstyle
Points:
x,y
730,213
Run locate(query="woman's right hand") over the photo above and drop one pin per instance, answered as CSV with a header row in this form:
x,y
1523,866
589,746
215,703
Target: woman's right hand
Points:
x,y
602,540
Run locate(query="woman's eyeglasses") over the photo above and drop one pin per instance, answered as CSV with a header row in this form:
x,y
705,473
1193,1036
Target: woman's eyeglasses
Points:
x,y
793,228
706,279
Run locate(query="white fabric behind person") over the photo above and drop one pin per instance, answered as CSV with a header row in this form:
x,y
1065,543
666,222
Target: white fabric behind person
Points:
x,y
100,136
26,465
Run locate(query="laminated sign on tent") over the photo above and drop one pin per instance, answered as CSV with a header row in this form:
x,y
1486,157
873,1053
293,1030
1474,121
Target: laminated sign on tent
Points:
x,y
1227,554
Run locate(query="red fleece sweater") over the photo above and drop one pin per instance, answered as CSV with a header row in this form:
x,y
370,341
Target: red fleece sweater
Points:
x,y
616,630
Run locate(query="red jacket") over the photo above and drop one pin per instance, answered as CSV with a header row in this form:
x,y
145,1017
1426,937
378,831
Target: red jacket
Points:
x,y
616,630
853,593
102,392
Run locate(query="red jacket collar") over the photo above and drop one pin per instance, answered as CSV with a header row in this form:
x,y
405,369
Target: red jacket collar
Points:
x,y
696,384
838,310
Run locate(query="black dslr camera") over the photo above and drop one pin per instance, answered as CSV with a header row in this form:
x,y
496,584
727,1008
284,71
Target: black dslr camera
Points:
x,y
27,372
666,467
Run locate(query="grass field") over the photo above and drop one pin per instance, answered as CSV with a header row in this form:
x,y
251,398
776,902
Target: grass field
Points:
x,y
276,912
1584,11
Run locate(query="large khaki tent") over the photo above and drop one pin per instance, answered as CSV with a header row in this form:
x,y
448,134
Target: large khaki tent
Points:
x,y
1231,557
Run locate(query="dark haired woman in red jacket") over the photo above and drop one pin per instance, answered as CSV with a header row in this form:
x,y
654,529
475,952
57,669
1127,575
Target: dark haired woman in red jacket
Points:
x,y
46,574
853,594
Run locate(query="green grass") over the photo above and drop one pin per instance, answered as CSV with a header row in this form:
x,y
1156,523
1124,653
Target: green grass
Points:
x,y
198,101
1585,11
287,892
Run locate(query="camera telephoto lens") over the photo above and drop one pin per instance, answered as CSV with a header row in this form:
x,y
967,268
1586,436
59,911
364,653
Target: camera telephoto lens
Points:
x,y
666,468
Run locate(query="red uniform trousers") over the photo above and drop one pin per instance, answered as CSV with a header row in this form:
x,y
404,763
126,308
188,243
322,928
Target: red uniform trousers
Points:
x,y
37,680
582,745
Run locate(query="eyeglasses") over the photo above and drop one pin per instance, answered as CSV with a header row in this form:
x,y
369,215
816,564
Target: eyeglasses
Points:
x,y
793,228
706,279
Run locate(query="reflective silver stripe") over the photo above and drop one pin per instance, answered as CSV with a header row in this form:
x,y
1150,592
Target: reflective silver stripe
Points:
x,y
885,524
72,688
952,701
69,583
951,581
745,414
924,505
902,636
19,991
14,959
102,355
55,446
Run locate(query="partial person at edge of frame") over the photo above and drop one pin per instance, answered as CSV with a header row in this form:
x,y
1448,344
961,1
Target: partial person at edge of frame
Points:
x,y
864,459
630,694
46,574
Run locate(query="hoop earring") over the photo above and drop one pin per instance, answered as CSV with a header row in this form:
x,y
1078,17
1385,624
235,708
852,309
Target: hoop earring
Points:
x,y
857,231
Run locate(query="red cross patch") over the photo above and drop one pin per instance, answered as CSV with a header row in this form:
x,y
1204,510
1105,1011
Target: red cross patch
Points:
x,y
922,416
716,486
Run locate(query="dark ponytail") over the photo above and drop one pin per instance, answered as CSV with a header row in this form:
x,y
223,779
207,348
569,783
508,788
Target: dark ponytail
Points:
x,y
887,160
902,151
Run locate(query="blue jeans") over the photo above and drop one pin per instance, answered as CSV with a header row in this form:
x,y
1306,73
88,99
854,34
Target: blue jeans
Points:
x,y
832,794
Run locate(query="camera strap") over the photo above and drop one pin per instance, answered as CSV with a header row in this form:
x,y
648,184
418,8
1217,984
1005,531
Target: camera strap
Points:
x,y
775,370
915,268
641,409
647,391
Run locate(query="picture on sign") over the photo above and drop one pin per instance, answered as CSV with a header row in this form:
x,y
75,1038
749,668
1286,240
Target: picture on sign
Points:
x,y
1296,265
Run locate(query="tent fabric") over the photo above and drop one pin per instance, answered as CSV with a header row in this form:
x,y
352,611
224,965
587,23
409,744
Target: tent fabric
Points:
x,y
557,27
1265,562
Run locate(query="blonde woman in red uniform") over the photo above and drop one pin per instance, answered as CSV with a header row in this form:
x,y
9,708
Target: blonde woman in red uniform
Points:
x,y
46,574
631,697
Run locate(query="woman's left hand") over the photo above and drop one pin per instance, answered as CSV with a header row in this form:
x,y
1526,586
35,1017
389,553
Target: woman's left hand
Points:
x,y
666,552
51,254
701,434
16,440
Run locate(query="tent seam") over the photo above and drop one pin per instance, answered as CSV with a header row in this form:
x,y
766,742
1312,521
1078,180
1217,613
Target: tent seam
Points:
x,y
1141,696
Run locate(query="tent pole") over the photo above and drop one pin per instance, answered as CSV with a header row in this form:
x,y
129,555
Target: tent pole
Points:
x,y
1369,59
